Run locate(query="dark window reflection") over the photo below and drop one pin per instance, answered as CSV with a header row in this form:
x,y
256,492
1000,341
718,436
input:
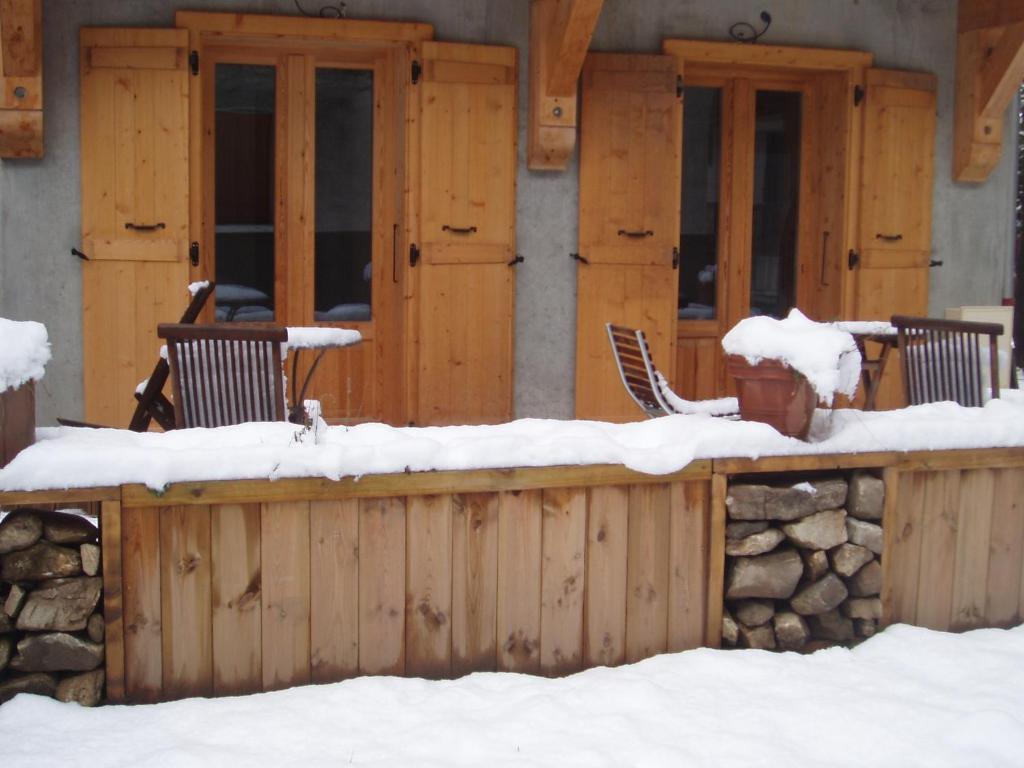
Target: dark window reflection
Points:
x,y
244,217
776,203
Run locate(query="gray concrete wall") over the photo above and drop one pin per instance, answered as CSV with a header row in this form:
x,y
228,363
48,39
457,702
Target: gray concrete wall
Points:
x,y
40,208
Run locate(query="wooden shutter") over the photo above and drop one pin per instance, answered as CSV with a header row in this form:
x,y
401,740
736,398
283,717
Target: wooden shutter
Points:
x,y
465,300
134,149
630,166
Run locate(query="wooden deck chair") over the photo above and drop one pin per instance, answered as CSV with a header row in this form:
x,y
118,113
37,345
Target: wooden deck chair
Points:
x,y
648,387
225,374
944,359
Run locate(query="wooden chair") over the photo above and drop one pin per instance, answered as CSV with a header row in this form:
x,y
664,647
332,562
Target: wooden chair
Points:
x,y
225,374
647,386
943,359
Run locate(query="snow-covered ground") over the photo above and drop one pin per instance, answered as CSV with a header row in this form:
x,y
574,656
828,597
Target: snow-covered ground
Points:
x,y
907,697
80,458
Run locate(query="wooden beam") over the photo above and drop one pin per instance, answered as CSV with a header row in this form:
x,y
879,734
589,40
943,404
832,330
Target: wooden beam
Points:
x,y
989,69
21,78
560,32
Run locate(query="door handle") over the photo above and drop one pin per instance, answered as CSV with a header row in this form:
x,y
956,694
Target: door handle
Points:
x,y
145,227
888,238
638,233
458,230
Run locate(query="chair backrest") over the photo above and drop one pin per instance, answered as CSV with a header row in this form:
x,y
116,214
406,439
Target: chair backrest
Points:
x,y
944,359
225,373
639,376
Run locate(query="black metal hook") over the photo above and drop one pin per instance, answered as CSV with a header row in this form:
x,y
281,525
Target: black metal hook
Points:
x,y
577,257
79,254
517,260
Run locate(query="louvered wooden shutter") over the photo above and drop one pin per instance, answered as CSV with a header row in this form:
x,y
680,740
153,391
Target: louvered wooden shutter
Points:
x,y
134,150
630,166
465,297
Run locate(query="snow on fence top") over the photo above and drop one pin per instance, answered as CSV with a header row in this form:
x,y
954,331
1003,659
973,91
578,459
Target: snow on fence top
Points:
x,y
66,457
827,356
24,352
315,337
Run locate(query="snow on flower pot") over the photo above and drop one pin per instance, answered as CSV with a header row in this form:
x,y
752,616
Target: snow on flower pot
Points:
x,y
24,351
784,367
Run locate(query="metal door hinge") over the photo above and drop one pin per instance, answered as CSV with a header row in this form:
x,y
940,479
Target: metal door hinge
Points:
x,y
679,86
193,62
858,95
414,255
417,70
193,254
852,259
675,258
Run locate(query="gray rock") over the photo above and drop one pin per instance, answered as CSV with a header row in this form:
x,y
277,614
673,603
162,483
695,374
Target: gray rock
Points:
x,y
743,529
96,628
763,502
19,530
847,559
829,493
85,689
90,554
730,630
773,575
42,560
791,631
61,604
865,534
754,613
867,497
755,544
822,530
56,651
6,623
815,563
39,683
15,599
867,582
68,528
863,608
762,637
746,502
831,626
6,651
865,627
820,597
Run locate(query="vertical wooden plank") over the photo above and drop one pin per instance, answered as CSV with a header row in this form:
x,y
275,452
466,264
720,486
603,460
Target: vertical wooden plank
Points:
x,y
428,599
474,581
113,609
382,586
716,562
284,554
647,571
334,589
604,637
519,556
970,580
563,550
1007,549
236,595
688,565
143,663
901,554
185,601
938,549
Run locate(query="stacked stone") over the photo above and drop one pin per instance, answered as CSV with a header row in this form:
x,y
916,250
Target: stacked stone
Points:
x,y
51,631
803,565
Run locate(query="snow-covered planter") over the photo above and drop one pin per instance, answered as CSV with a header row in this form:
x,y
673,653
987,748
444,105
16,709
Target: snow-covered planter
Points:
x,y
24,351
783,368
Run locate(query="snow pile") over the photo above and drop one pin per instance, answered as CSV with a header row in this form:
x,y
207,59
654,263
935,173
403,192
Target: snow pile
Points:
x,y
313,337
68,457
196,287
827,356
24,352
722,406
908,696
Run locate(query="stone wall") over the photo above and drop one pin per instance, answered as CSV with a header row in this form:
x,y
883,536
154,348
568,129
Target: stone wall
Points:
x,y
803,562
51,630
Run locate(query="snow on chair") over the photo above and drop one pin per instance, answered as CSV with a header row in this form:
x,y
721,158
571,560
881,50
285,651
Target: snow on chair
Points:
x,y
648,387
225,374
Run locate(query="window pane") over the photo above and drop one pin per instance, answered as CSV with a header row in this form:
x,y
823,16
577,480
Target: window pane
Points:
x,y
776,203
344,194
698,225
244,192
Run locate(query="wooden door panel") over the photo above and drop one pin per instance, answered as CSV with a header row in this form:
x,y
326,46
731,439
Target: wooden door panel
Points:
x,y
698,367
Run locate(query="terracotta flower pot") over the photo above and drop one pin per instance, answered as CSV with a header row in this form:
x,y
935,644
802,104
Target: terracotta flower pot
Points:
x,y
773,393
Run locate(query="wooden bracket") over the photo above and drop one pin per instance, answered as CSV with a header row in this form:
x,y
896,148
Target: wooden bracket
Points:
x,y
560,32
989,69
21,78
